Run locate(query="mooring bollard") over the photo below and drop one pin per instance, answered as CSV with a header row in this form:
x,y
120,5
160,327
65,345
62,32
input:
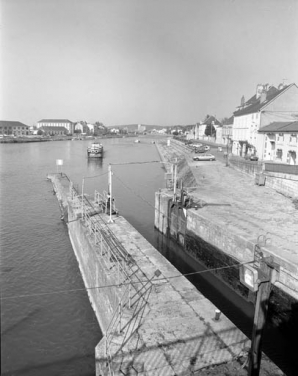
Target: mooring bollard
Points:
x,y
217,314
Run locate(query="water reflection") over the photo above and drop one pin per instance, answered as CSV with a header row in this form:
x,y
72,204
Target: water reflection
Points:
x,y
94,164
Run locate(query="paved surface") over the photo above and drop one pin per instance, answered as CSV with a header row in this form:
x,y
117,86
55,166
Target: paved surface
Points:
x,y
178,334
253,211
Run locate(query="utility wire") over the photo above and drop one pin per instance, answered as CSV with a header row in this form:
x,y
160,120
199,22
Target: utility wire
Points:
x,y
165,279
135,193
129,163
95,176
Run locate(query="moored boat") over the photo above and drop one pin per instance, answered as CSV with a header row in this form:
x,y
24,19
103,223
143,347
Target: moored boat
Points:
x,y
95,150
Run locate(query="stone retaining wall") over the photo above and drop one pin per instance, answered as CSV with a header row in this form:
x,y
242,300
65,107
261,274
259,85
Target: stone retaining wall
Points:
x,y
215,246
285,184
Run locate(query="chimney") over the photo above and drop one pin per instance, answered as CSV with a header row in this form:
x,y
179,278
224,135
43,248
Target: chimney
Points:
x,y
259,90
263,96
281,86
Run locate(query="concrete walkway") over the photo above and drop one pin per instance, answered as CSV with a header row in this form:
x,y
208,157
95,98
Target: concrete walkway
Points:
x,y
178,334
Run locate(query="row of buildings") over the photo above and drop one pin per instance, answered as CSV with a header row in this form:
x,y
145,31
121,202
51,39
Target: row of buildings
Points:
x,y
51,127
266,125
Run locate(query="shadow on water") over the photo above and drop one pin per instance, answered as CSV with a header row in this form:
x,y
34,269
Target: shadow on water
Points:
x,y
63,367
20,322
279,342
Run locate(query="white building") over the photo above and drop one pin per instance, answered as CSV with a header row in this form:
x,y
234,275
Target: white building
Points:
x,y
69,125
266,106
280,142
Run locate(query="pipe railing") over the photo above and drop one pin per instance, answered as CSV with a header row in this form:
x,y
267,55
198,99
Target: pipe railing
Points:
x,y
114,255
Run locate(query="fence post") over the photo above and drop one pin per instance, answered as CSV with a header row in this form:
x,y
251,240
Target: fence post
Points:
x,y
119,313
101,243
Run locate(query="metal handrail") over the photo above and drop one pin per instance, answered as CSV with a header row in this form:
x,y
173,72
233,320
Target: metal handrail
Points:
x,y
128,272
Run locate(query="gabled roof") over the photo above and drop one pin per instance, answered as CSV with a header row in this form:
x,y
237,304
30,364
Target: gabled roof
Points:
x,y
229,121
8,123
257,105
254,98
54,121
280,126
208,120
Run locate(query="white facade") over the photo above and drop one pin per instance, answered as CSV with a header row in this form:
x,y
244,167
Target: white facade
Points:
x,y
90,127
282,106
245,128
57,123
200,131
219,138
280,147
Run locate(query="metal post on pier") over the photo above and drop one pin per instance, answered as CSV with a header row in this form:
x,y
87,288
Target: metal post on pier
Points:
x,y
259,278
227,159
83,182
110,193
175,179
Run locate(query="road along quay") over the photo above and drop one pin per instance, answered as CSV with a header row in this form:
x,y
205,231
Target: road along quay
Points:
x,y
154,321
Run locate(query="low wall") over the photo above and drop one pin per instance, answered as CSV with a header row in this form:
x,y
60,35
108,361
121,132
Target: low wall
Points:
x,y
245,166
285,184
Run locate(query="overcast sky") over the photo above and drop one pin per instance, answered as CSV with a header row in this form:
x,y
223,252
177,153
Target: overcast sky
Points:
x,y
141,61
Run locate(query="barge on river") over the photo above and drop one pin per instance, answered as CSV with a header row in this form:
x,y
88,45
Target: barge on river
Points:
x,y
95,150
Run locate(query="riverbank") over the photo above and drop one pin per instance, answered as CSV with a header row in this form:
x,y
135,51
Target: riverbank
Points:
x,y
231,212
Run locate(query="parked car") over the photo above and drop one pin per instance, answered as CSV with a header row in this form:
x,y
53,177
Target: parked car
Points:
x,y
253,158
200,150
195,146
204,157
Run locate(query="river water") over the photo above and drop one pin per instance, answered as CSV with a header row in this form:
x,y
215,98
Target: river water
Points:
x,y
47,324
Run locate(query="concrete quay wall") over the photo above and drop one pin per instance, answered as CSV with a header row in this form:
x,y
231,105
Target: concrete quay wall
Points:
x,y
94,274
173,154
216,245
285,184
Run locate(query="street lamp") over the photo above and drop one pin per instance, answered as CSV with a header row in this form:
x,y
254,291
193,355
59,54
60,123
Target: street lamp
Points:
x,y
227,159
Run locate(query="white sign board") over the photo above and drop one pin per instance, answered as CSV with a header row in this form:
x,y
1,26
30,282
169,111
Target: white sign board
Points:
x,y
59,162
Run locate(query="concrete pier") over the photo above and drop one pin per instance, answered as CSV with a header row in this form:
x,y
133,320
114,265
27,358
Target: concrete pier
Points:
x,y
154,320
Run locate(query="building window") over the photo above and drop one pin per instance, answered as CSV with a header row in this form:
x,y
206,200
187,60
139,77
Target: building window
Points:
x,y
279,153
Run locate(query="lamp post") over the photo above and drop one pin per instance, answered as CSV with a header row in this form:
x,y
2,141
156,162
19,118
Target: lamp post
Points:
x,y
227,159
83,182
258,280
